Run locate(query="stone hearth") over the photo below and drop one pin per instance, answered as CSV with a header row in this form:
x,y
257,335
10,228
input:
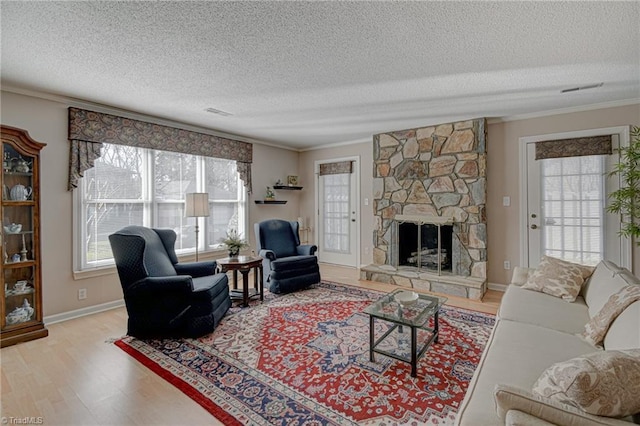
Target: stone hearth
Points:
x,y
404,276
436,171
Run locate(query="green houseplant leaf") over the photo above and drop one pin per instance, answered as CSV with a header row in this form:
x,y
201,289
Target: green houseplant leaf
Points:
x,y
234,242
626,200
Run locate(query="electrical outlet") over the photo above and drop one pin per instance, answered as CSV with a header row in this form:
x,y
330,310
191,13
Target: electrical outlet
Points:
x,y
507,264
82,294
366,250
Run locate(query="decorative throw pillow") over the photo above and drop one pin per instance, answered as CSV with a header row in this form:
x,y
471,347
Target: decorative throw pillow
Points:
x,y
596,329
605,383
558,278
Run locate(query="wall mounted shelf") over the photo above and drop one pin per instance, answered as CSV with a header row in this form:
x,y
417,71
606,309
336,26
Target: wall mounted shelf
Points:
x,y
288,187
270,202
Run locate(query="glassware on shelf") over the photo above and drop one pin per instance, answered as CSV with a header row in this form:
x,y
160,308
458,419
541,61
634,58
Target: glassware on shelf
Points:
x,y
23,251
6,163
14,228
20,236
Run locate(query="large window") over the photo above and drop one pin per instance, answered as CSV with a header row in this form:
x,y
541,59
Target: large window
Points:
x,y
135,186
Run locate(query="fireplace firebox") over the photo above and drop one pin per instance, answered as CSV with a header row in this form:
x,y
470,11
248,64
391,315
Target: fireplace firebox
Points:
x,y
424,245
419,246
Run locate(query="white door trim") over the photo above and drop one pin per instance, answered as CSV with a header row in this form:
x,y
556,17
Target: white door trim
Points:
x,y
623,135
356,170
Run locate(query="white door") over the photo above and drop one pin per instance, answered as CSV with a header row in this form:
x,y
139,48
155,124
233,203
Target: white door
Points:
x,y
565,209
338,217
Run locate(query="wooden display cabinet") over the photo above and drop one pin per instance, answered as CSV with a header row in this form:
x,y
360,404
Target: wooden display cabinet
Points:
x,y
21,307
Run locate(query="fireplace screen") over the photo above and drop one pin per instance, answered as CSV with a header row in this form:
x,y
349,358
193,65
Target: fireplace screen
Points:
x,y
419,246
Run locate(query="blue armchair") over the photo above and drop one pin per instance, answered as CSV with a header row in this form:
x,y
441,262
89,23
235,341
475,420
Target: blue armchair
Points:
x,y
288,266
165,298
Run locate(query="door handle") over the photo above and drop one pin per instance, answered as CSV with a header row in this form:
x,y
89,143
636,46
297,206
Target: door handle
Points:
x,y
534,226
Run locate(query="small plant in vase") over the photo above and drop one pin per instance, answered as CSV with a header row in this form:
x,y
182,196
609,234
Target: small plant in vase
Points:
x,y
269,195
234,243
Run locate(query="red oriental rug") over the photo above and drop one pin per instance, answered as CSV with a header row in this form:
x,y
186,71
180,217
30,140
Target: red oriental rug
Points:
x,y
303,359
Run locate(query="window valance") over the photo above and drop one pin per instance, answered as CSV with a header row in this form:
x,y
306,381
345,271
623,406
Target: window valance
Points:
x,y
336,168
89,129
577,147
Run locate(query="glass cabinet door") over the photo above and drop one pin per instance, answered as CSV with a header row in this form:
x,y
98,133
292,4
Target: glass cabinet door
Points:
x,y
21,310
17,233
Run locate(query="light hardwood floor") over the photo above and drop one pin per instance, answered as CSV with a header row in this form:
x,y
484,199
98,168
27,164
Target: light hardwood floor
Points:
x,y
75,377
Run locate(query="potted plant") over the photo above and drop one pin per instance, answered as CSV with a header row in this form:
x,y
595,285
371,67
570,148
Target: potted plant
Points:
x,y
234,242
269,195
626,200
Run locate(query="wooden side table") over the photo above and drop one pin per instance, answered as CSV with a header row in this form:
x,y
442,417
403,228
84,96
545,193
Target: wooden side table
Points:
x,y
244,264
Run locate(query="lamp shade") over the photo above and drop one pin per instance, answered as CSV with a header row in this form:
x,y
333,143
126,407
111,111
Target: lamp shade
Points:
x,y
196,204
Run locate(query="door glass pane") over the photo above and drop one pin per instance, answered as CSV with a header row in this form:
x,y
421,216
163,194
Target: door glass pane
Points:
x,y
336,212
573,208
570,165
553,184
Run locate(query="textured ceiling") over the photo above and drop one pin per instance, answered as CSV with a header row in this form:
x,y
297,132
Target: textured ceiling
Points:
x,y
307,74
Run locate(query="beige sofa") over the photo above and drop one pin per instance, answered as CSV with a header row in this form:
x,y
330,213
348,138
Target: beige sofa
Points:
x,y
533,331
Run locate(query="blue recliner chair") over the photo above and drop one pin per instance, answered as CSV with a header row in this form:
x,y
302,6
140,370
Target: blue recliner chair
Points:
x,y
165,298
288,266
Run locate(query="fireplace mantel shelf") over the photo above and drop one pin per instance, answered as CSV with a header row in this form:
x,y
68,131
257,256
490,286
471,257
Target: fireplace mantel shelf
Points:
x,y
424,219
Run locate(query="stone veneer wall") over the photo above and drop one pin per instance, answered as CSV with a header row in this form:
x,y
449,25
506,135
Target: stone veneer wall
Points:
x,y
437,170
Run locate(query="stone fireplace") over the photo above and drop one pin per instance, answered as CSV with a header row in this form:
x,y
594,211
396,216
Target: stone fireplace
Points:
x,y
429,194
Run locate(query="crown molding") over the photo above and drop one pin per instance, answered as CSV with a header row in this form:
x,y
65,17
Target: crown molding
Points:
x,y
108,109
569,110
337,144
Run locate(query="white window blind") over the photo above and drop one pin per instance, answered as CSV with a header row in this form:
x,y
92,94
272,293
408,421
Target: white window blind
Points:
x,y
137,186
573,189
336,212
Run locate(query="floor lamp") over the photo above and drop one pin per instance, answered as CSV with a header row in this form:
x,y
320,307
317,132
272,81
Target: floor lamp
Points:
x,y
196,205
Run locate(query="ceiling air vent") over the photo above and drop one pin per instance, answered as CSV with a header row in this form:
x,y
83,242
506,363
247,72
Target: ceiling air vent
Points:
x,y
218,111
575,89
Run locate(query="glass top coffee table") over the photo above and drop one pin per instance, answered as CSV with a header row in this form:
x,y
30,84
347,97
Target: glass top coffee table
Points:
x,y
414,315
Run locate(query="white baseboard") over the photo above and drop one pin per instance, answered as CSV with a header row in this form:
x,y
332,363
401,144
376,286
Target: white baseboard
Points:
x,y
78,313
65,316
497,287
